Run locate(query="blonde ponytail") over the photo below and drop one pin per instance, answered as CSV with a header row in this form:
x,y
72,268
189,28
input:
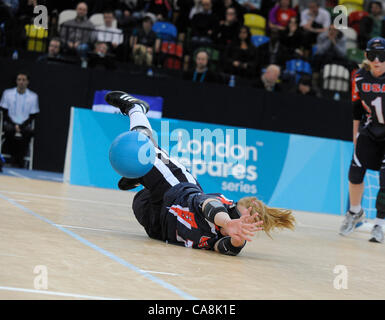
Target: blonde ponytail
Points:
x,y
273,218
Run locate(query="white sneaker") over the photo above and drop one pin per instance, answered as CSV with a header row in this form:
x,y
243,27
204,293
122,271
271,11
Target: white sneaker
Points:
x,y
350,222
377,234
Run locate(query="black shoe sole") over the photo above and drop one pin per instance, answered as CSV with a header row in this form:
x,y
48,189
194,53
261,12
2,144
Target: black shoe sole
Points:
x,y
374,240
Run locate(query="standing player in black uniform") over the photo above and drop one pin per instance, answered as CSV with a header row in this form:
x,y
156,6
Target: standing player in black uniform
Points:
x,y
172,206
368,96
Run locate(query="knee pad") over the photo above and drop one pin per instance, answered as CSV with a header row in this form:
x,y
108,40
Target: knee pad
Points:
x,y
356,174
380,202
225,247
147,132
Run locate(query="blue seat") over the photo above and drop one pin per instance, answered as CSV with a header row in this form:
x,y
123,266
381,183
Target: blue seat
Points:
x,y
258,40
297,67
165,30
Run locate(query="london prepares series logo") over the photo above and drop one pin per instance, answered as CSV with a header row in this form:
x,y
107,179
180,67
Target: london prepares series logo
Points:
x,y
219,153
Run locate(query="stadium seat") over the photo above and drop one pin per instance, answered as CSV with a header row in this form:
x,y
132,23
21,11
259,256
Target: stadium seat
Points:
x,y
313,49
165,30
351,7
355,18
98,20
355,55
66,15
172,54
256,23
295,68
36,38
335,78
258,40
354,2
351,38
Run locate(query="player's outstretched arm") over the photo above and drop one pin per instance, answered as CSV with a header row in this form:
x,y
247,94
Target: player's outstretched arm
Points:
x,y
240,230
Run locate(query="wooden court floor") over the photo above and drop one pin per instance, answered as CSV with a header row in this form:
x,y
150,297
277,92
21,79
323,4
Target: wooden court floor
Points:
x,y
68,242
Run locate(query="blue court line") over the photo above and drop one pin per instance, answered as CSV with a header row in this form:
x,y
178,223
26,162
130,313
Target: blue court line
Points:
x,y
103,251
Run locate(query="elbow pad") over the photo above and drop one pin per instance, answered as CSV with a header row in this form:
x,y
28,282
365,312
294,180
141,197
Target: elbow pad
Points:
x,y
225,247
234,212
212,208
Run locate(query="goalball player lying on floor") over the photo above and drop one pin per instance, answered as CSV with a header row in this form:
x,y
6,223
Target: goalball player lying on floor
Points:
x,y
172,207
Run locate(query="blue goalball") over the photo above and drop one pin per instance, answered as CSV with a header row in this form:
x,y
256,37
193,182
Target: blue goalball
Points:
x,y
132,154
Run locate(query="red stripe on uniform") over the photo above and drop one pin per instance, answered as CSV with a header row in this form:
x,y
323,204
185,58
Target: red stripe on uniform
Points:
x,y
186,215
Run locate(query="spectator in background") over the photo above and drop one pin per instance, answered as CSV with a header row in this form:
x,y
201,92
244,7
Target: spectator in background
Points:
x,y
272,52
143,43
25,11
228,31
280,15
107,33
372,25
8,22
53,51
291,38
331,47
304,86
76,33
12,4
161,9
196,8
261,7
303,4
314,21
20,107
99,57
269,79
201,72
240,57
220,9
126,21
183,21
203,25
121,6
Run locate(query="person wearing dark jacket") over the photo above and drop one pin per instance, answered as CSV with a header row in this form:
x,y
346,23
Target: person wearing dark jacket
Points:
x,y
228,31
240,57
201,72
269,80
372,25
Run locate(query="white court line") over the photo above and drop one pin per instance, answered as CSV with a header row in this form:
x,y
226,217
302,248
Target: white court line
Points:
x,y
38,195
49,178
55,293
96,229
20,200
17,174
122,232
160,272
104,252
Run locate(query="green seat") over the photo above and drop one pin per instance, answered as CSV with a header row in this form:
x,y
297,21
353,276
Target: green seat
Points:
x,y
355,55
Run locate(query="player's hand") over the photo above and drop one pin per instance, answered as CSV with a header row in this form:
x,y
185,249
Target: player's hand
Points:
x,y
243,228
